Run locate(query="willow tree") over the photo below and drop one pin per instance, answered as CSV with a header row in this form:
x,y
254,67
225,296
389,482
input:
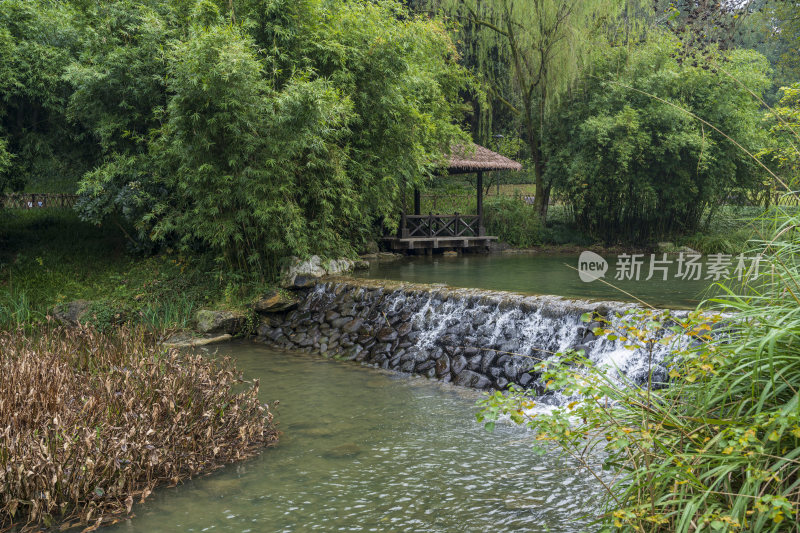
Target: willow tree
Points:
x,y
544,45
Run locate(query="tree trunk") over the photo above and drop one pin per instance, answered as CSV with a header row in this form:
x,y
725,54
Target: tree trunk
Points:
x,y
542,198
543,192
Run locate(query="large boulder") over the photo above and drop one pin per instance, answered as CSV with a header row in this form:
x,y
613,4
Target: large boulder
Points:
x,y
301,273
71,313
274,302
442,366
339,266
220,322
458,364
386,335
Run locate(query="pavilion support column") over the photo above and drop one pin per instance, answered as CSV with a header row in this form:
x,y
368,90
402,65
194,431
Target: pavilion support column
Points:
x,y
416,202
403,232
481,230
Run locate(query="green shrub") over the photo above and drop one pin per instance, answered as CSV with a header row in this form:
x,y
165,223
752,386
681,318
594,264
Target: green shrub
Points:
x,y
105,316
636,169
513,221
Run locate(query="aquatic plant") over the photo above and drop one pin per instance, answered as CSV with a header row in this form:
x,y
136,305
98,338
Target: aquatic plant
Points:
x,y
91,423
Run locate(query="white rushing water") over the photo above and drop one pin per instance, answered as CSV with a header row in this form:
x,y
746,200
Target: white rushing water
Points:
x,y
515,330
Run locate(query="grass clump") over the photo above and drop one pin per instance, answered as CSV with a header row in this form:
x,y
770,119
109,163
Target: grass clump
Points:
x,y
718,449
89,423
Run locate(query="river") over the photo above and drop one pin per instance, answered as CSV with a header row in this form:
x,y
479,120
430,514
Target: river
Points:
x,y
371,450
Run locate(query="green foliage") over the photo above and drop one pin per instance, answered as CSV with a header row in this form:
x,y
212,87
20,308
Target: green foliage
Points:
x,y
718,448
290,133
5,163
636,169
513,221
230,148
37,42
774,30
118,96
16,311
717,243
782,152
177,312
729,230
104,316
118,81
255,131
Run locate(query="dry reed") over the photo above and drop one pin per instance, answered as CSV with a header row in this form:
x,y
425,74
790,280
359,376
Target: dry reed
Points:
x,y
89,423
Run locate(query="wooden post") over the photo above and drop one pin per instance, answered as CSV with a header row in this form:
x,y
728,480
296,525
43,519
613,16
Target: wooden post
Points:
x,y
403,233
416,202
481,231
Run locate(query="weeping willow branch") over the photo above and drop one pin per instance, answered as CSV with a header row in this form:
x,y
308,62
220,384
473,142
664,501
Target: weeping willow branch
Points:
x,y
511,107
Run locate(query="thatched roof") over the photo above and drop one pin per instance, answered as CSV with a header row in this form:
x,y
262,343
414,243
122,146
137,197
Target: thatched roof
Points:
x,y
464,160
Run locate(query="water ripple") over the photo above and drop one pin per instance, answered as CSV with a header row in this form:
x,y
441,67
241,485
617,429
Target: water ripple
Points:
x,y
365,450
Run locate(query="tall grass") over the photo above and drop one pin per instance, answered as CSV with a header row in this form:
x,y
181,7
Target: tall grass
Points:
x,y
90,423
175,312
16,310
718,449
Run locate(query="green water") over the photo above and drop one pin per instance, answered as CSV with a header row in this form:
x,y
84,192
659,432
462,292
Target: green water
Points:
x,y
367,450
542,274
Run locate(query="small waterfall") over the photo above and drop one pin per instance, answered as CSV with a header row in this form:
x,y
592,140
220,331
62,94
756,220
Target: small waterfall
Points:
x,y
475,338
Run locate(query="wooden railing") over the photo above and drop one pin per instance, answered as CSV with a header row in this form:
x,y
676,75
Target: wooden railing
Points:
x,y
431,225
464,203
37,201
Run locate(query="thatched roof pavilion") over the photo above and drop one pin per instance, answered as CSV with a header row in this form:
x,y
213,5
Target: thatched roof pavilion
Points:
x,y
477,158
427,232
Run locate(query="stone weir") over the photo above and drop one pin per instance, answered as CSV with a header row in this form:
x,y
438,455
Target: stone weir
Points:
x,y
474,338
